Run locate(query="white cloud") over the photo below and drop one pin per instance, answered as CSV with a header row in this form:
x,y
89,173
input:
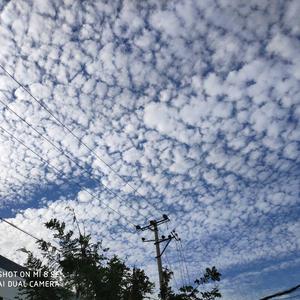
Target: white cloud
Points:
x,y
213,85
196,104
166,21
161,117
291,17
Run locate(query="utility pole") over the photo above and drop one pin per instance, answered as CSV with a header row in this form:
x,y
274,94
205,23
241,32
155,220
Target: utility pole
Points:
x,y
153,226
158,258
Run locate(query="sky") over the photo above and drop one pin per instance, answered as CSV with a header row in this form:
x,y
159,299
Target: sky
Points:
x,y
191,108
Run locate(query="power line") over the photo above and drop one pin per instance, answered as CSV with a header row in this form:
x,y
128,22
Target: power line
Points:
x,y
66,155
60,173
37,239
61,150
180,266
291,297
182,263
184,260
172,269
42,104
20,229
30,234
286,292
27,232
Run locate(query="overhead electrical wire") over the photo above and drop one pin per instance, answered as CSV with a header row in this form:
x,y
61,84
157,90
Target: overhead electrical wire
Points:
x,y
9,223
291,297
60,173
181,269
44,106
283,293
68,156
172,269
33,236
20,229
23,231
26,231
183,264
6,106
184,260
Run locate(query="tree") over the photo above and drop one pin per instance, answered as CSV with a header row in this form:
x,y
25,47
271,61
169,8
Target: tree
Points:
x,y
137,285
35,283
189,292
86,271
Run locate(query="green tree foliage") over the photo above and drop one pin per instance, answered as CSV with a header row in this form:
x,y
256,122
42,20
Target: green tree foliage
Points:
x,y
86,271
210,277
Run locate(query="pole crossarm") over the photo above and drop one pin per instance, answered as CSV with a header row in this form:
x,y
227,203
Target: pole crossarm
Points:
x,y
153,223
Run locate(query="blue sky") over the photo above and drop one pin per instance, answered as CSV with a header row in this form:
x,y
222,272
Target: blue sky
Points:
x,y
193,103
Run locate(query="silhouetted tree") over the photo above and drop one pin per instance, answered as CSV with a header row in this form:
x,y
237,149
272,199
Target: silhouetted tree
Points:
x,y
86,271
40,275
189,292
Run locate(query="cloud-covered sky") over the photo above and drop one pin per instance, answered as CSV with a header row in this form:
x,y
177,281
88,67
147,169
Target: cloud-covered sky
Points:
x,y
193,103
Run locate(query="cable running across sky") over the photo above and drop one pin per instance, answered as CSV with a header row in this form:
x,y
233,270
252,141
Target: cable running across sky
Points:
x,y
91,176
44,106
60,173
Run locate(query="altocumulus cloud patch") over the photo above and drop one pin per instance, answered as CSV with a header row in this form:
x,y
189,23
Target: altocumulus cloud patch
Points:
x,y
195,103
